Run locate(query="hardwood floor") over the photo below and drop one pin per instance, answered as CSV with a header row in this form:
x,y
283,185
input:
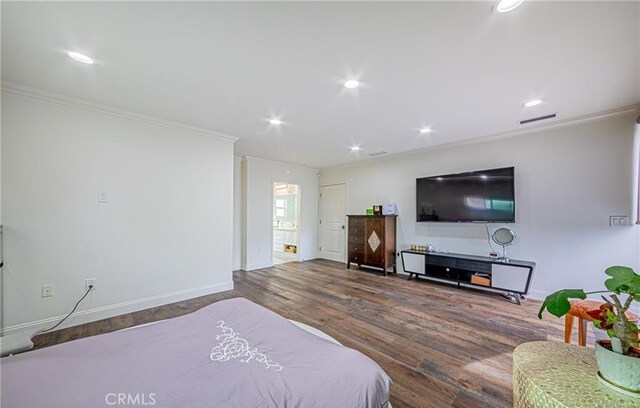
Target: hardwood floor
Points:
x,y
442,346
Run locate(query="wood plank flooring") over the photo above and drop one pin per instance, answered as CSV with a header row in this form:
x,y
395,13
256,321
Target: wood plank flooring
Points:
x,y
442,346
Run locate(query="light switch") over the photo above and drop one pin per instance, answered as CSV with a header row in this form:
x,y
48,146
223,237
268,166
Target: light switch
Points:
x,y
103,197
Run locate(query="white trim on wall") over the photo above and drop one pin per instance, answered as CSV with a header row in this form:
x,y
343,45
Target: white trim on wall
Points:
x,y
541,295
36,93
104,312
578,120
279,162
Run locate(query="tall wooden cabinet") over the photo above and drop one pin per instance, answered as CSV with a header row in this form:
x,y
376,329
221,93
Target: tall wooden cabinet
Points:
x,y
372,241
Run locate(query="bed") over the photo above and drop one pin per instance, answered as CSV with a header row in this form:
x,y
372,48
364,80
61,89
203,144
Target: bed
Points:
x,y
233,353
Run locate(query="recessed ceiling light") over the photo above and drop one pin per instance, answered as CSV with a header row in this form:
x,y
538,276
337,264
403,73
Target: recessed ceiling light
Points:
x,y
534,102
484,176
80,57
355,148
504,6
426,130
352,83
275,121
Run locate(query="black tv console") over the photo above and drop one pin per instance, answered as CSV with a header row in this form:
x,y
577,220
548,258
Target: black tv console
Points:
x,y
512,277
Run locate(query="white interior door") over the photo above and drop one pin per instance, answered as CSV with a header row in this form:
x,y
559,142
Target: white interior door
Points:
x,y
332,222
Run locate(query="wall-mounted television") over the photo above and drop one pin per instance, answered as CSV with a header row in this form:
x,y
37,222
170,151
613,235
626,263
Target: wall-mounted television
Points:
x,y
476,196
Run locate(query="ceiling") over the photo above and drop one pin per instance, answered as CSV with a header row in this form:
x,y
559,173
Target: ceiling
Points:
x,y
456,67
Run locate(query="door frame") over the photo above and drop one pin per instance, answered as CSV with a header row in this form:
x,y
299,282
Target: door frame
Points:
x,y
346,202
273,210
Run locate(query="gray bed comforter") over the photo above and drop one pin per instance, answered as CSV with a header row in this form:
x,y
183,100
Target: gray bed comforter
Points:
x,y
232,353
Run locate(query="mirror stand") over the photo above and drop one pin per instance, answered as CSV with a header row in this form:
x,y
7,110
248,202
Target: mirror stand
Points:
x,y
503,237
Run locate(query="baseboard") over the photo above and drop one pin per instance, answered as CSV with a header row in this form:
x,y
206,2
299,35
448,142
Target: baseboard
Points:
x,y
538,294
104,312
541,295
253,267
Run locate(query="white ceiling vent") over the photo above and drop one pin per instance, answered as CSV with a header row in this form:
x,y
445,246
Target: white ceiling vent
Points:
x,y
380,153
545,117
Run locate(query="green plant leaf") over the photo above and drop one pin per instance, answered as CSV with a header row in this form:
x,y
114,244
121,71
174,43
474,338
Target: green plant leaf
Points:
x,y
558,304
623,280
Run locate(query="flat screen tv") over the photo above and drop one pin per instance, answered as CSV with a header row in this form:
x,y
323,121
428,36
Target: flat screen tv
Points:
x,y
476,196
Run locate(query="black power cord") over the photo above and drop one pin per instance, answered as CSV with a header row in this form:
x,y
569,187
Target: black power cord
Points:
x,y
74,309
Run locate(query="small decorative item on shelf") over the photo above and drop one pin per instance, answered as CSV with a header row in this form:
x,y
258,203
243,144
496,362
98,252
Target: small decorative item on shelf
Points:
x,y
369,211
390,209
421,248
618,359
377,210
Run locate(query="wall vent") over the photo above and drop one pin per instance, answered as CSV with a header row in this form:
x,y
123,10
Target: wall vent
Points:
x,y
545,117
380,153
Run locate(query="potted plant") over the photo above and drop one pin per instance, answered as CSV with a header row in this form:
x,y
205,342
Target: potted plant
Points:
x,y
618,359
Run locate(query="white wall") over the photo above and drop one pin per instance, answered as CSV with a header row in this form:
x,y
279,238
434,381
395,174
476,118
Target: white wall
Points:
x,y
568,182
238,213
162,236
259,177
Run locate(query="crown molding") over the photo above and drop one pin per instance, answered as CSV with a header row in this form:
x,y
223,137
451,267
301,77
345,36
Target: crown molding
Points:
x,y
575,121
60,99
279,162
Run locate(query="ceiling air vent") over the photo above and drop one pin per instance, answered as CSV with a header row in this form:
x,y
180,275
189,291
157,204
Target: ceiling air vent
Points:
x,y
380,153
545,117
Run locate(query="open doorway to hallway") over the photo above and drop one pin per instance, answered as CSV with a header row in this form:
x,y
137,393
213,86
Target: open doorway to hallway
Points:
x,y
286,222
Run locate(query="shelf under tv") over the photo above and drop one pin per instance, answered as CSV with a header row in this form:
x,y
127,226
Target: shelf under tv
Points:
x,y
481,272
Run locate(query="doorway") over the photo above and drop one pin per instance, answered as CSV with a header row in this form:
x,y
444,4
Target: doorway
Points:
x,y
286,223
333,204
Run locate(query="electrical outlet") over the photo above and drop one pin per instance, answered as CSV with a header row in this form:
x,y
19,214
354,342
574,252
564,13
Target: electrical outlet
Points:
x,y
90,282
618,221
47,290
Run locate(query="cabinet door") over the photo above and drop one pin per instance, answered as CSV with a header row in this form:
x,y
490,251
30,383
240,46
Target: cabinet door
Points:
x,y
509,277
374,242
278,241
413,263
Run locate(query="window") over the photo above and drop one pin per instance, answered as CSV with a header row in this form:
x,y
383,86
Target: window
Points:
x,y
281,208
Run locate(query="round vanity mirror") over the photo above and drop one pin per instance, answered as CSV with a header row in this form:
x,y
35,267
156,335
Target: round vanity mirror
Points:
x,y
503,237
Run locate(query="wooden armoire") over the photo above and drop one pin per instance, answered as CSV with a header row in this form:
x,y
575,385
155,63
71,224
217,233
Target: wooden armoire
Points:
x,y
372,241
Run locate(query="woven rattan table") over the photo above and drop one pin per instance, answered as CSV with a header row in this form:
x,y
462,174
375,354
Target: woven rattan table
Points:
x,y
550,374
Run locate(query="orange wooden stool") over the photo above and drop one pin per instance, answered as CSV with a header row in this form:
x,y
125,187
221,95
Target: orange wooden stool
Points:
x,y
579,309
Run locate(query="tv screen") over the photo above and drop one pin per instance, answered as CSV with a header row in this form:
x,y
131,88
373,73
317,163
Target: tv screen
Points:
x,y
477,196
